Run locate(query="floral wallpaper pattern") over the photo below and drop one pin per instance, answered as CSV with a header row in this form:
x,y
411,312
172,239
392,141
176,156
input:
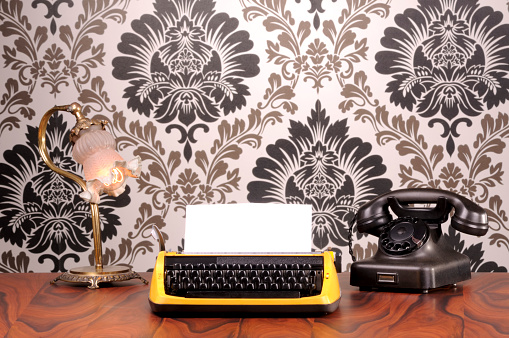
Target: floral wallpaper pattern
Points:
x,y
197,61
448,58
319,164
328,103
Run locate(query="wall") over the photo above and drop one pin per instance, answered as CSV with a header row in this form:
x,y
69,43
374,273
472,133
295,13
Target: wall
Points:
x,y
328,103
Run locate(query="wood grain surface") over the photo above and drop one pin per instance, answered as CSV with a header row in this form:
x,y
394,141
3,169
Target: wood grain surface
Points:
x,y
31,307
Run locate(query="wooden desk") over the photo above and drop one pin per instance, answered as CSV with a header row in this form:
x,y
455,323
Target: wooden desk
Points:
x,y
30,306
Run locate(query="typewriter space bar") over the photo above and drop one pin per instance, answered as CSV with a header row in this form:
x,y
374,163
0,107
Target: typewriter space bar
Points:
x,y
241,294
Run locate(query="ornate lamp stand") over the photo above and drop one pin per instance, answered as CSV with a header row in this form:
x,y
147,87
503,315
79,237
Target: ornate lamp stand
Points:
x,y
88,274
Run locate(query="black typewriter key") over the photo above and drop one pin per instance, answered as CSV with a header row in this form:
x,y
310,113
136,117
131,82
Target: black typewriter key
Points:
x,y
289,273
191,286
211,266
250,286
272,267
267,279
274,286
256,280
222,266
304,280
203,286
246,266
195,273
239,286
227,286
280,280
277,273
220,280
189,266
235,266
200,266
312,273
232,280
265,273
186,280
297,286
306,267
209,280
206,273
301,273
177,266
196,280
285,286
169,283
292,280
282,266
244,280
219,273
259,266
214,286
242,273
253,273
183,273
295,266
230,273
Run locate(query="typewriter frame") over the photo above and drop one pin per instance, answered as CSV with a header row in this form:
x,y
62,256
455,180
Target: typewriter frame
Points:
x,y
326,302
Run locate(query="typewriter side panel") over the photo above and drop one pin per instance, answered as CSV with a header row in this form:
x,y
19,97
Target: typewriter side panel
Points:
x,y
157,293
331,289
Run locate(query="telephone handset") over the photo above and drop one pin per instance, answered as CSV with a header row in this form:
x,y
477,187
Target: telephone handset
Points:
x,y
412,252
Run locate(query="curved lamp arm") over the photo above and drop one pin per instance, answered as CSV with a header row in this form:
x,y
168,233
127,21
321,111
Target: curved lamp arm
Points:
x,y
75,109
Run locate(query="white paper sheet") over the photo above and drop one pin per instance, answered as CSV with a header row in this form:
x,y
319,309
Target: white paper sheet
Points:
x,y
248,227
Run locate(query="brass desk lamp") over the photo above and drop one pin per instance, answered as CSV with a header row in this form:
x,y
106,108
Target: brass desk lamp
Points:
x,y
105,172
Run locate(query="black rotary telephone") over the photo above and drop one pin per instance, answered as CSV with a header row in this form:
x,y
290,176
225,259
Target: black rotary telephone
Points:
x,y
412,251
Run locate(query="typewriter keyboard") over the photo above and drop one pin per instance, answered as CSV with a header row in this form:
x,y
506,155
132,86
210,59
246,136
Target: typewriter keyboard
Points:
x,y
243,276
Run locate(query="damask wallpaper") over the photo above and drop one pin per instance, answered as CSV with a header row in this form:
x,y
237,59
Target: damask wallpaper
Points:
x,y
322,102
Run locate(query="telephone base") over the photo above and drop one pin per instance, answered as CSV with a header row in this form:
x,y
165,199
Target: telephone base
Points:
x,y
399,290
431,267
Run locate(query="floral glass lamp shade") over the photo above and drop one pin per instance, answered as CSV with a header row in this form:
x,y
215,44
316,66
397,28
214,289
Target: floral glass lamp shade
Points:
x,y
105,171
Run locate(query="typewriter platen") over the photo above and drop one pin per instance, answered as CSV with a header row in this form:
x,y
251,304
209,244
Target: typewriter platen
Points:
x,y
252,283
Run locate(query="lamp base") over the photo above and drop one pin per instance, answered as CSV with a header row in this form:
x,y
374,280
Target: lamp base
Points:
x,y
94,276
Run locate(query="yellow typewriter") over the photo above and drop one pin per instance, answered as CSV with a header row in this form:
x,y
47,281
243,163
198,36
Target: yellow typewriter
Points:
x,y
253,283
